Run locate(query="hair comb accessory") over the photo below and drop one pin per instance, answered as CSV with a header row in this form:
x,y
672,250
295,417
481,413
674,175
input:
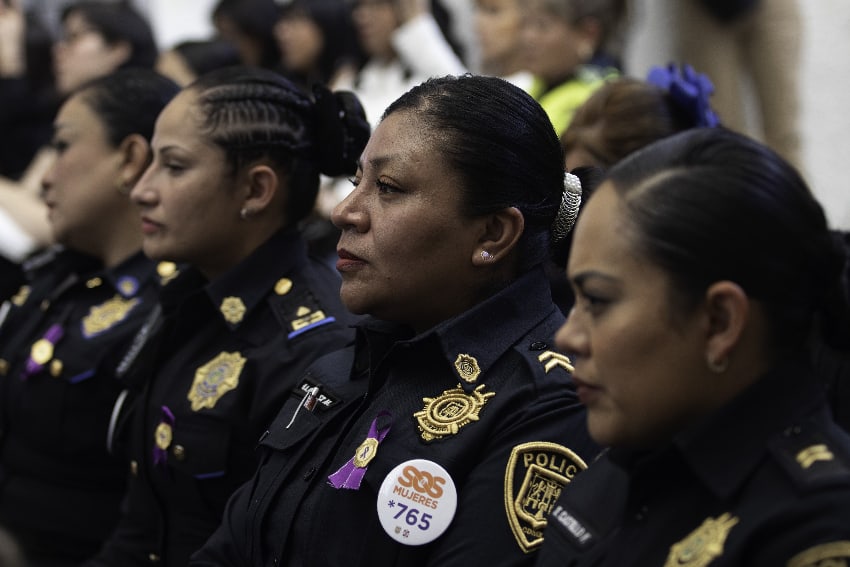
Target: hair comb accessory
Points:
x,y
688,90
568,211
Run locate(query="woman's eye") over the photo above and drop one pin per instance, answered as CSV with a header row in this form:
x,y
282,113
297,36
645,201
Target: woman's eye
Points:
x,y
59,145
384,187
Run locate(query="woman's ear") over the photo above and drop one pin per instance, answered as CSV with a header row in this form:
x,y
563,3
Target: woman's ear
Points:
x,y
501,232
261,186
728,310
135,158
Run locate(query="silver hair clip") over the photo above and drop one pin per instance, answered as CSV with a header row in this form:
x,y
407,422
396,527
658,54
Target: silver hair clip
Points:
x,y
568,211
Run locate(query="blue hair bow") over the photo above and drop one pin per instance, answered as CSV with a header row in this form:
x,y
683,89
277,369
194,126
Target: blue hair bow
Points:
x,y
689,90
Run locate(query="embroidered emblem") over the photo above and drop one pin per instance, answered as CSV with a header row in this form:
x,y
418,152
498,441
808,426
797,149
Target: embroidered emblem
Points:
x,y
702,545
534,477
127,286
451,410
233,309
214,379
111,312
307,318
808,456
551,359
21,297
166,271
836,553
467,367
283,286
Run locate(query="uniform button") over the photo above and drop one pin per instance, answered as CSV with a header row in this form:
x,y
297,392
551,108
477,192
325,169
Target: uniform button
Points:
x,y
134,468
309,474
153,558
179,452
538,345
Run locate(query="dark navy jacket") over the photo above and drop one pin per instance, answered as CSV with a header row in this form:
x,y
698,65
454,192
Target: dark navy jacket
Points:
x,y
61,341
213,372
764,482
508,461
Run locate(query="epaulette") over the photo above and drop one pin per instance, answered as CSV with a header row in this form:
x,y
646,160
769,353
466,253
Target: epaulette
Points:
x,y
811,457
297,309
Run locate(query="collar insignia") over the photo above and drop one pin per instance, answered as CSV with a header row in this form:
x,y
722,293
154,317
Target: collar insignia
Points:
x,y
233,309
283,286
808,456
535,475
109,313
551,359
21,297
702,545
467,367
166,271
306,317
214,379
451,410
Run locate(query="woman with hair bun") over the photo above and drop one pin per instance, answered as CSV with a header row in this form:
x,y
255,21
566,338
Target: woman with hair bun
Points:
x,y
441,442
237,159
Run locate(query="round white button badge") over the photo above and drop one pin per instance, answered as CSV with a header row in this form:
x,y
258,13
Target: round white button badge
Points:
x,y
417,502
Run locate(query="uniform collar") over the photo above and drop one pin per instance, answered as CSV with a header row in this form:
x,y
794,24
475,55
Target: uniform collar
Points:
x,y
484,332
237,292
130,276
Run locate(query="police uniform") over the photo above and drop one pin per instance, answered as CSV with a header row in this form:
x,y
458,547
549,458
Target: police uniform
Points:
x,y
62,337
360,463
215,369
763,482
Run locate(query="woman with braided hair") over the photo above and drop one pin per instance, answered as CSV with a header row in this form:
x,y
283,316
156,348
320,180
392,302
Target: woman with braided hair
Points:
x,y
438,436
237,159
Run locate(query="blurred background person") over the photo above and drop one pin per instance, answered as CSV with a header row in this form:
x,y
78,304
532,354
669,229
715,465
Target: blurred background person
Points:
x,y
249,26
562,38
498,31
187,60
63,335
237,159
98,37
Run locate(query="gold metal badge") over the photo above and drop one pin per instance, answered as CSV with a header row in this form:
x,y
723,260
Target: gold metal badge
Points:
x,y
41,351
233,309
166,271
307,317
451,410
535,475
283,286
552,359
810,455
467,367
111,312
835,553
21,296
214,379
365,452
163,435
704,544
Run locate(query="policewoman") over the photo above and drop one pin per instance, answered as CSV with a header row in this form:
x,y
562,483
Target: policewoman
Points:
x,y
237,158
445,433
704,271
63,334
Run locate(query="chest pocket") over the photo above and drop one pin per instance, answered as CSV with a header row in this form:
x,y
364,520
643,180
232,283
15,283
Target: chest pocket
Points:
x,y
191,452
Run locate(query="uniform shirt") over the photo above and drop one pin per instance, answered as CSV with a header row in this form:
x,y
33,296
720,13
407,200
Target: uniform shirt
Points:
x,y
480,395
764,482
61,340
215,372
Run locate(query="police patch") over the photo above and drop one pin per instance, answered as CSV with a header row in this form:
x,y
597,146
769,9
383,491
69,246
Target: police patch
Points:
x,y
833,553
704,544
535,475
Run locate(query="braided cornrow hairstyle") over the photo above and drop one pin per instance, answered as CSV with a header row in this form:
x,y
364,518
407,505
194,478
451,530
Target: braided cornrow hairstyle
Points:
x,y
257,115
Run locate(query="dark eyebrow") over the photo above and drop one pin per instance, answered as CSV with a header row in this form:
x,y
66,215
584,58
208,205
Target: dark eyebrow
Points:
x,y
579,279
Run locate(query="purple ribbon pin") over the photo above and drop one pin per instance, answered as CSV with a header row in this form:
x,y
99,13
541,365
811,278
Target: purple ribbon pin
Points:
x,y
42,351
163,436
350,475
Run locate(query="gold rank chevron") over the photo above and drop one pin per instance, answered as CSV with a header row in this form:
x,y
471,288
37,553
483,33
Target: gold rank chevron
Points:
x,y
552,359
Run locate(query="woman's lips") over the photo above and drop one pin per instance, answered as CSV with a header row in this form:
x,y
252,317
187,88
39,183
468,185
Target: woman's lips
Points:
x,y
348,261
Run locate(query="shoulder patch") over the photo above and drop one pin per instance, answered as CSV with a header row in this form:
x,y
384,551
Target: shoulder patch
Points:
x,y
832,553
535,475
807,455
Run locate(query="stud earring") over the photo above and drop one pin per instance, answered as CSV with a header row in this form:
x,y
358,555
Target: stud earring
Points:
x,y
486,255
717,366
244,213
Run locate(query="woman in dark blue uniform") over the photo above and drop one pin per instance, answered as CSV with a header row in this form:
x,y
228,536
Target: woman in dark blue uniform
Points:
x,y
445,433
237,158
63,334
704,272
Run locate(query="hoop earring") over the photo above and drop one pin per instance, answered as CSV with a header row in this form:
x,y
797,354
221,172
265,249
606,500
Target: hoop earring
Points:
x,y
717,366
